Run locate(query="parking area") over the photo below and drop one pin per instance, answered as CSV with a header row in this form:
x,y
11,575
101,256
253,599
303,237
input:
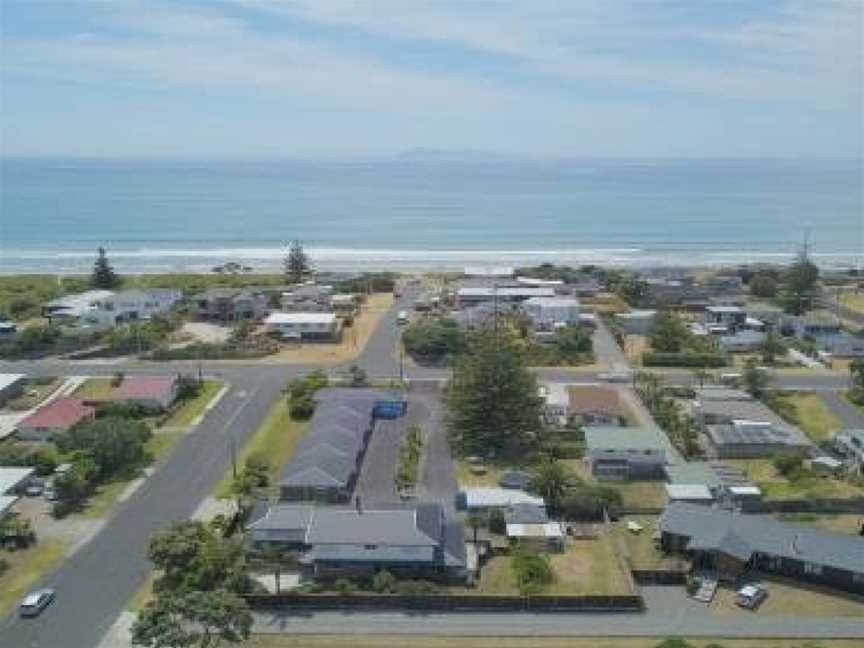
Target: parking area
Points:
x,y
436,475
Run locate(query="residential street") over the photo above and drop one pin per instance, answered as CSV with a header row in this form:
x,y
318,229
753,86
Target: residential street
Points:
x,y
94,584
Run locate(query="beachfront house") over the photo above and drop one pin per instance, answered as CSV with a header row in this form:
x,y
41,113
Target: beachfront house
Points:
x,y
411,541
306,298
503,295
71,310
130,306
725,319
230,304
735,544
622,453
318,326
55,417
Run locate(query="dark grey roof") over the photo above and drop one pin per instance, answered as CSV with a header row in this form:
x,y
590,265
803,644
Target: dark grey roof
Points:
x,y
525,513
728,434
335,436
741,535
398,527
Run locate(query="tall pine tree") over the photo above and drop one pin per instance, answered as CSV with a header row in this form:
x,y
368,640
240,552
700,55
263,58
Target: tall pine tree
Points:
x,y
492,400
296,262
103,275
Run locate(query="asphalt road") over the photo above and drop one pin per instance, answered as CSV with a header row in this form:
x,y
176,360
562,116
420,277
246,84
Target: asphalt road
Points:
x,y
94,584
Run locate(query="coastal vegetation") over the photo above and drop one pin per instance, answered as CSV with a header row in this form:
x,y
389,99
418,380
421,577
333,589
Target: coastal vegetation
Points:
x,y
296,264
103,276
674,345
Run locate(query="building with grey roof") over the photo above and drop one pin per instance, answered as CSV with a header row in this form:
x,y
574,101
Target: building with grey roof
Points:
x,y
733,543
416,540
850,444
621,453
327,460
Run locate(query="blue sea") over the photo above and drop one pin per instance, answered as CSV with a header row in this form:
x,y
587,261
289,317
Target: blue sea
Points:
x,y
155,215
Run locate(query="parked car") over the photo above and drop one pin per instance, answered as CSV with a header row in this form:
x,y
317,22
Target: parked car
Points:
x,y
616,376
35,602
34,489
751,596
402,317
731,379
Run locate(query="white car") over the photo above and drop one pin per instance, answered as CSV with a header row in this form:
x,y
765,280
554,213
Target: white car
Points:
x,y
751,596
35,602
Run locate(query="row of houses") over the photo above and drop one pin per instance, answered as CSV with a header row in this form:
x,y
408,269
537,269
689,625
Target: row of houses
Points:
x,y
155,393
102,309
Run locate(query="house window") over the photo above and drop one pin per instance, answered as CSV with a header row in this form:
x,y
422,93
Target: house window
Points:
x,y
370,546
775,562
813,569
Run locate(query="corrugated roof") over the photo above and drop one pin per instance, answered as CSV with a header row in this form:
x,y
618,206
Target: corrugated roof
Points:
x,y
594,399
11,476
144,387
603,437
742,535
59,413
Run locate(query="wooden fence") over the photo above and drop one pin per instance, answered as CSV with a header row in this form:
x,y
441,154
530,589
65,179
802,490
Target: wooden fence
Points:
x,y
447,603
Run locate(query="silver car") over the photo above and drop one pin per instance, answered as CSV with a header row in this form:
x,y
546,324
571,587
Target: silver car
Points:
x,y
35,602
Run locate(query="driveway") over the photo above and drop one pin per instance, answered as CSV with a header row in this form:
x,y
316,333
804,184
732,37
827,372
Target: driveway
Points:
x,y
376,483
437,470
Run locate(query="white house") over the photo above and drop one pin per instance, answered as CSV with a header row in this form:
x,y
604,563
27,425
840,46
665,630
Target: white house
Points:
x,y
546,312
70,309
303,326
131,305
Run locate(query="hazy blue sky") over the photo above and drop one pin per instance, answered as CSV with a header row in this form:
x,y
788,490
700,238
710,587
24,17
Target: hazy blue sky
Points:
x,y
328,77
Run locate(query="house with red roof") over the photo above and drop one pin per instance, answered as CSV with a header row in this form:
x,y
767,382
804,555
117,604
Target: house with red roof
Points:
x,y
54,418
152,392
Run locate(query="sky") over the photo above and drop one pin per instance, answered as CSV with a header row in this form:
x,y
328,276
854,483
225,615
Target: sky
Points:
x,y
309,78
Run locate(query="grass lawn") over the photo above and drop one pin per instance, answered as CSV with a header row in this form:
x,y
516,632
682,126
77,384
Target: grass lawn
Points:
x,y
275,439
586,567
853,300
95,389
465,475
787,598
640,546
33,394
808,411
842,523
349,640
775,486
25,568
189,410
641,494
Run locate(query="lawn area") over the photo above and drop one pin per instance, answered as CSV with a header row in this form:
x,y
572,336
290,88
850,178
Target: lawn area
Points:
x,y
275,439
808,411
852,300
349,640
466,475
775,486
25,568
639,547
189,410
96,389
636,494
354,338
33,393
841,523
586,567
787,598
634,347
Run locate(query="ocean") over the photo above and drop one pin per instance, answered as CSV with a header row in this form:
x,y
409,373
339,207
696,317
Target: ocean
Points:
x,y
169,215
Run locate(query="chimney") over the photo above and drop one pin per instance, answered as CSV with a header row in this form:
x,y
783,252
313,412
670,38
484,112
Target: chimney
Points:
x,y
358,506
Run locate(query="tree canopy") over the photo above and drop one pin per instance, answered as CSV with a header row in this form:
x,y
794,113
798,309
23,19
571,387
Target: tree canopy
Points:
x,y
800,284
103,276
296,262
114,444
763,285
669,333
492,400
433,338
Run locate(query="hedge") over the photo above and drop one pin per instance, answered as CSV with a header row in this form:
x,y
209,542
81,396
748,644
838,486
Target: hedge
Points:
x,y
684,359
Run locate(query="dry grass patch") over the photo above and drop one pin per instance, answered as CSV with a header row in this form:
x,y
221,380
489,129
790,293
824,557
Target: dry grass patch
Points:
x,y
97,389
589,567
354,338
640,547
787,598
776,486
190,409
808,411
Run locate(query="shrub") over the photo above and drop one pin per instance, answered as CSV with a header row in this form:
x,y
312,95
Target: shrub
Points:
x,y
416,588
345,586
497,523
302,408
788,464
434,339
533,571
384,582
